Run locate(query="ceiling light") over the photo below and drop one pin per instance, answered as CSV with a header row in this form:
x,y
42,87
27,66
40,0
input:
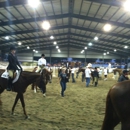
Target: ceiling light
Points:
x,y
19,43
51,37
85,48
107,52
34,50
125,46
46,25
127,5
107,27
96,38
28,47
104,54
59,50
90,44
7,37
57,47
54,43
114,49
34,3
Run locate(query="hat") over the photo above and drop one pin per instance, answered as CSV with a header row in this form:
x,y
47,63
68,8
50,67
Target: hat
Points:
x,y
12,48
42,55
89,65
125,71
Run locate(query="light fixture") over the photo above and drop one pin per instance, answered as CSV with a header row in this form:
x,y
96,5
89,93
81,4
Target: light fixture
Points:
x,y
57,47
7,37
82,51
107,52
51,37
90,44
34,50
19,43
127,5
54,43
59,50
107,27
104,54
46,25
95,38
85,48
125,47
34,3
114,49
28,47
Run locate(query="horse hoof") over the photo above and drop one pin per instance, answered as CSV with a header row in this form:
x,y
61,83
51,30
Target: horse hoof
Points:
x,y
13,113
44,95
27,117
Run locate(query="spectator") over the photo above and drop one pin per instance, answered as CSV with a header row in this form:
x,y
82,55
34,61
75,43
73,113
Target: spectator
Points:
x,y
124,76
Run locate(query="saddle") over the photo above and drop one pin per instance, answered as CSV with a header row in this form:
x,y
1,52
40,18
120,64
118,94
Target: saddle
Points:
x,y
15,77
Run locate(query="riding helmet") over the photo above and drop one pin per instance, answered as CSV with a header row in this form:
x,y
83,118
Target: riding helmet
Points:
x,y
12,48
42,55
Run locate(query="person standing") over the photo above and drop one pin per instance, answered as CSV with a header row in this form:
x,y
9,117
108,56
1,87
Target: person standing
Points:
x,y
63,80
12,67
72,73
87,75
124,76
96,76
105,73
42,63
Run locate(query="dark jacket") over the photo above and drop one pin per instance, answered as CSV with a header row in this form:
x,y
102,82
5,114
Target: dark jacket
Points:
x,y
122,78
95,74
13,62
63,77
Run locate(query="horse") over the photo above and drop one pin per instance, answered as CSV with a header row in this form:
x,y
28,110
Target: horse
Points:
x,y
20,86
48,76
118,107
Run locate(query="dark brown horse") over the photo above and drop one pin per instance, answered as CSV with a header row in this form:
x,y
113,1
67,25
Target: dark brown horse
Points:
x,y
25,79
118,107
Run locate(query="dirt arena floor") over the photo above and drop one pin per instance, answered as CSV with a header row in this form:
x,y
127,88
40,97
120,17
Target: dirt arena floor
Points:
x,y
82,108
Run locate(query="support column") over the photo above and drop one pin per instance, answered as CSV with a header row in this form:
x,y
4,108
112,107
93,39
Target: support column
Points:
x,y
85,57
50,55
68,51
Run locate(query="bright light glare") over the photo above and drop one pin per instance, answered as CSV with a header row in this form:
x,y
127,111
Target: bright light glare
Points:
x,y
96,38
7,37
19,43
57,47
85,48
127,5
125,46
46,25
34,50
104,54
114,49
90,44
107,27
51,37
34,3
55,43
59,50
107,52
28,47
82,51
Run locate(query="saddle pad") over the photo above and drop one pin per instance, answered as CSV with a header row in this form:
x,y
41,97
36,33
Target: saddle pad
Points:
x,y
17,76
5,75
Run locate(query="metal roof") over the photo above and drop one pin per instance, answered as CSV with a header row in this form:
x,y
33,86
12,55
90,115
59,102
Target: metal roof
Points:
x,y
74,23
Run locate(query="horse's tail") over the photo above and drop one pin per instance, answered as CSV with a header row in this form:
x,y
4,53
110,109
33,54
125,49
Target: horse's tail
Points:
x,y
110,115
1,89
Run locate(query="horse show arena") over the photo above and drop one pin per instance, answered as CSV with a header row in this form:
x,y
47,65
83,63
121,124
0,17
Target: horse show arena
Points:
x,y
80,109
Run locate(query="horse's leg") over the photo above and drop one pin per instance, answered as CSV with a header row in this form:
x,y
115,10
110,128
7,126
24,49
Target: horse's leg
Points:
x,y
125,125
15,102
32,86
23,104
44,90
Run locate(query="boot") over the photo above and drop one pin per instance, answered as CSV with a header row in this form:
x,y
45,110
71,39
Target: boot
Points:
x,y
9,88
95,84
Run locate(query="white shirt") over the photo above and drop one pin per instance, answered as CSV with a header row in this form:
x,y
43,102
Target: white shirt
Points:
x,y
42,61
109,65
73,70
87,73
105,71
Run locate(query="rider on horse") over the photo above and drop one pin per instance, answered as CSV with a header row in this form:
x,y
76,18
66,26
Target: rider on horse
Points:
x,y
12,67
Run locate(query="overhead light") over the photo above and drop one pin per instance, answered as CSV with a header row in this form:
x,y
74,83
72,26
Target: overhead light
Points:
x,y
127,5
34,50
7,37
19,43
57,47
28,47
107,52
114,49
90,44
82,51
107,27
34,3
46,25
54,43
125,46
51,37
104,54
85,48
96,38
59,50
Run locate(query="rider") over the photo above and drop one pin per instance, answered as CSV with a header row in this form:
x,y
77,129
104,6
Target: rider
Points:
x,y
124,76
42,62
13,66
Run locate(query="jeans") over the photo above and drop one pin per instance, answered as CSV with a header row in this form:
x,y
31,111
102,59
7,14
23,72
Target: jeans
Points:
x,y
73,80
87,81
63,87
